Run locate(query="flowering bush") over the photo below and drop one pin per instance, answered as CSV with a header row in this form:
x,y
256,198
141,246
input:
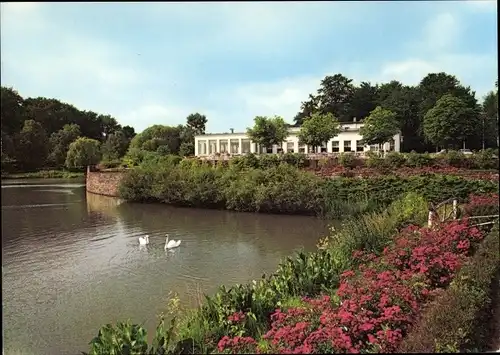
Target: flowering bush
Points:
x,y
482,205
374,306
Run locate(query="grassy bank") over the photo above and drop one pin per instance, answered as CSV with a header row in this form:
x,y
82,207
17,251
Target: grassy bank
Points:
x,y
281,189
363,290
45,174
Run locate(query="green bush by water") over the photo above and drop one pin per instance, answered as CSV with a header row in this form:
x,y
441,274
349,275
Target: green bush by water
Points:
x,y
281,189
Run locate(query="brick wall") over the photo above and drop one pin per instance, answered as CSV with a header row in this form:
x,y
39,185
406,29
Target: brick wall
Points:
x,y
103,182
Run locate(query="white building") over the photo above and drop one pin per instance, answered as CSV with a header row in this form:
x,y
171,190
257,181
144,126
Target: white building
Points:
x,y
349,140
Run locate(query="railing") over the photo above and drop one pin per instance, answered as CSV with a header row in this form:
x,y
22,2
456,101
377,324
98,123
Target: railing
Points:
x,y
310,156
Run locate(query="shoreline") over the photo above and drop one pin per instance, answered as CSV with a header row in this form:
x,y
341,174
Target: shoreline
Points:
x,y
44,174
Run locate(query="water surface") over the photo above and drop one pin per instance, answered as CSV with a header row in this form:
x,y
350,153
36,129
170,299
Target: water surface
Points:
x,y
71,260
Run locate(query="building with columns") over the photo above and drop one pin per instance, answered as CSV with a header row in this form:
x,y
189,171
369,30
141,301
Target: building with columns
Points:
x,y
349,140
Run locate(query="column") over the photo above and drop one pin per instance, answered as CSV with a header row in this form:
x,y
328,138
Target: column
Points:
x,y
196,152
218,145
240,148
296,146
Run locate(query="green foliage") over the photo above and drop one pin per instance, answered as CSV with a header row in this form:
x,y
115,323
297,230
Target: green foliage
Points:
x,y
157,135
449,122
59,143
83,152
318,129
379,127
197,122
455,321
116,145
347,160
124,338
415,160
395,159
186,149
268,131
33,144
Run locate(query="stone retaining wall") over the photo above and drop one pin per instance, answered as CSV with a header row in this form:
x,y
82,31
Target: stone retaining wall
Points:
x,y
103,182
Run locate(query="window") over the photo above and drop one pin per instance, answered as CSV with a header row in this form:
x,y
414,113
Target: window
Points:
x,y
310,149
202,147
374,147
212,146
347,146
359,146
290,147
235,146
335,147
324,148
392,145
245,146
223,146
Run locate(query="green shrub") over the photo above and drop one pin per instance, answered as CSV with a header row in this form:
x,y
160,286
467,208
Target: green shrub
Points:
x,y
456,320
267,161
395,159
484,160
455,159
373,160
295,159
415,160
347,160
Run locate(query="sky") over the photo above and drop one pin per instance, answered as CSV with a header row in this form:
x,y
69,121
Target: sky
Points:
x,y
155,63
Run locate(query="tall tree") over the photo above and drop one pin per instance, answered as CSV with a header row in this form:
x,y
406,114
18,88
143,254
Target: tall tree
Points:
x,y
489,119
108,125
153,137
268,131
335,94
197,123
11,111
319,128
450,122
59,143
129,132
307,108
380,127
364,99
83,152
116,146
33,145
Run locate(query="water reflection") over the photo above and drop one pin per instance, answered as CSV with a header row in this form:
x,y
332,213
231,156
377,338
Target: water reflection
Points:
x,y
75,263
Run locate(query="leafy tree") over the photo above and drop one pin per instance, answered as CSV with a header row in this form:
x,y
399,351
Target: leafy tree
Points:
x,y
197,123
186,149
7,147
129,132
334,96
59,143
364,99
379,127
83,152
33,144
489,117
268,131
153,137
116,146
11,111
450,122
108,124
318,129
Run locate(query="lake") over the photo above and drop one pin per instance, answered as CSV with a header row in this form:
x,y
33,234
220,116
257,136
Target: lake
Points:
x,y
72,262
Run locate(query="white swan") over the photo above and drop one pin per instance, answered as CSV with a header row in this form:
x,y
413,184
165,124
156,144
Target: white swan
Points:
x,y
144,241
170,244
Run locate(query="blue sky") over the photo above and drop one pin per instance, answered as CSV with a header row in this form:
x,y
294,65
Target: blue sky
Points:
x,y
154,63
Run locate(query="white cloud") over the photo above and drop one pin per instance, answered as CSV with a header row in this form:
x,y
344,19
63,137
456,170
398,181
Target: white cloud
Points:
x,y
98,75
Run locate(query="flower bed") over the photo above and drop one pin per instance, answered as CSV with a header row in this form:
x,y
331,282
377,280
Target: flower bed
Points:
x,y
375,305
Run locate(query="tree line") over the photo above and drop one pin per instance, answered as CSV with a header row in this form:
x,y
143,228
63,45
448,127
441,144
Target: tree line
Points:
x,y
438,112
40,133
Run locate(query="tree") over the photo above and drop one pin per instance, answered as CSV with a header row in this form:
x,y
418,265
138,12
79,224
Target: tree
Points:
x,y
33,145
197,123
83,152
108,125
334,96
268,131
129,132
450,122
11,111
319,128
379,127
59,143
115,146
153,137
489,117
7,147
363,101
186,149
